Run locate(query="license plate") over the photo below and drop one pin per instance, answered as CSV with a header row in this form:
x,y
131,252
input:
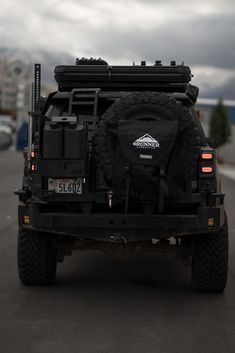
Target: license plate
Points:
x,y
65,186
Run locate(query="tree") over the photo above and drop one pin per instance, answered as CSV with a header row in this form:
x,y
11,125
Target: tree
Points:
x,y
219,128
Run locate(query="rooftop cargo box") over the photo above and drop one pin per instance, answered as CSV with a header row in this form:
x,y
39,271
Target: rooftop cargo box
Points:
x,y
141,77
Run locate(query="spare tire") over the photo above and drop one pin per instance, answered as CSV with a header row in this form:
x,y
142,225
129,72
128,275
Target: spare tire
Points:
x,y
148,105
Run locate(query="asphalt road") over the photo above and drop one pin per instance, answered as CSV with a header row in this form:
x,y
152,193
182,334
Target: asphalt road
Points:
x,y
101,305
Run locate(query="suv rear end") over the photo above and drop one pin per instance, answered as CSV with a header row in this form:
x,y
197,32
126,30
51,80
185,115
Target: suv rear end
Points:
x,y
124,168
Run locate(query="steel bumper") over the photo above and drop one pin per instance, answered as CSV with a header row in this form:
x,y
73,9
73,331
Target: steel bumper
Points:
x,y
104,226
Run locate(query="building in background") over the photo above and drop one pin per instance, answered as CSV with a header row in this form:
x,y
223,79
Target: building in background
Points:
x,y
8,95
15,77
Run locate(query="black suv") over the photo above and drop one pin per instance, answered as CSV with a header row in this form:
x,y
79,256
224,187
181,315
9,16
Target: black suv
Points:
x,y
117,160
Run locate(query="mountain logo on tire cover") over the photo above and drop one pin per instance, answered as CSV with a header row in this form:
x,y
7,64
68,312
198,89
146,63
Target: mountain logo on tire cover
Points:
x,y
146,141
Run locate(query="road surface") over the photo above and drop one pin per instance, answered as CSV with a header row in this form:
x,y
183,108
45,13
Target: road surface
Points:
x,y
101,305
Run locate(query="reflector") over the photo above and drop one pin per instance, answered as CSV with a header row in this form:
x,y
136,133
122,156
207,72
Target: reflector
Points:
x,y
26,219
211,222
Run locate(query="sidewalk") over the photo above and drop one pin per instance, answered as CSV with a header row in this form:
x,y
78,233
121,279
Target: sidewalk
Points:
x,y
227,170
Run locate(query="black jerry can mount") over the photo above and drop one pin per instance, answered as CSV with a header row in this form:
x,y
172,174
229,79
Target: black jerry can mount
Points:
x,y
64,148
64,138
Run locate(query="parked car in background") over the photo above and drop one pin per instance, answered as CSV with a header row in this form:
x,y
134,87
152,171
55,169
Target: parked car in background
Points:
x,y
7,120
6,139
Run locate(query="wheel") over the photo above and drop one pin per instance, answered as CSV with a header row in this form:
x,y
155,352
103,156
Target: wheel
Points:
x,y
36,259
210,261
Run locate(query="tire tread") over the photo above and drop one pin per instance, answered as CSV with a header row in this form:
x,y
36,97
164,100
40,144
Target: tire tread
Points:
x,y
36,260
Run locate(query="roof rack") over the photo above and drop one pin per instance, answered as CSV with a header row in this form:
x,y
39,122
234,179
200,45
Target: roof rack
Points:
x,y
172,78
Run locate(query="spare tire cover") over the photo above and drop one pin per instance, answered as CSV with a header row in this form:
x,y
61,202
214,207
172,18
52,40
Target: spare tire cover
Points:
x,y
146,116
146,142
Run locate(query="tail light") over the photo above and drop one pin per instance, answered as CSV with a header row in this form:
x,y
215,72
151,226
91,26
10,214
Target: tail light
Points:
x,y
206,156
206,170
34,167
206,163
34,156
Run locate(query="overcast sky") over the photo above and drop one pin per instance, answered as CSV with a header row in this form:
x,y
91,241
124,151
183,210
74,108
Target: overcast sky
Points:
x,y
200,33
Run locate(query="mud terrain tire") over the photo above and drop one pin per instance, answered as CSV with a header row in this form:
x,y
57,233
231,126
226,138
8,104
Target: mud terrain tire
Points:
x,y
210,261
36,259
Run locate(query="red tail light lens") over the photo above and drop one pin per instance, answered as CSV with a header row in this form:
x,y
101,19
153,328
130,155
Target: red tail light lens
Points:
x,y
207,155
34,167
207,170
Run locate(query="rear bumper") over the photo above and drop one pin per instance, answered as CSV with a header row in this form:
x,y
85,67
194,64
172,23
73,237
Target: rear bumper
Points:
x,y
130,227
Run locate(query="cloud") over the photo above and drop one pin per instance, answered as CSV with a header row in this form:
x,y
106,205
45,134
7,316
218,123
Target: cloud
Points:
x,y
122,30
201,33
